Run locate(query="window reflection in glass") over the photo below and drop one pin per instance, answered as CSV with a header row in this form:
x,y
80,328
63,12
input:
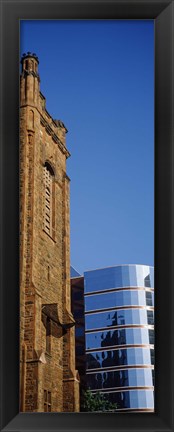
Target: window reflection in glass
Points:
x,y
150,317
152,354
124,378
149,301
119,317
104,357
129,356
130,336
151,336
118,298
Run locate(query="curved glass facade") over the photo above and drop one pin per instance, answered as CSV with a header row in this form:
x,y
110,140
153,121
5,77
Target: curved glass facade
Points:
x,y
119,317
117,277
118,357
126,336
119,334
133,400
119,298
121,378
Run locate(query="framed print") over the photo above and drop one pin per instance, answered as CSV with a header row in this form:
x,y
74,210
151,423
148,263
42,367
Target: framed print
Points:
x,y
28,399
107,332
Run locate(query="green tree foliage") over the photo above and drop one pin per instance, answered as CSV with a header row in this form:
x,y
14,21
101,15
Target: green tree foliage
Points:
x,y
96,402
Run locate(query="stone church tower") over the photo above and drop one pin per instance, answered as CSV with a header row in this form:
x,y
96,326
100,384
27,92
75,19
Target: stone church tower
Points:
x,y
48,379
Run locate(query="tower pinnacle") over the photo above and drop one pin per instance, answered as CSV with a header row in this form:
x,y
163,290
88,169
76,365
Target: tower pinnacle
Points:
x,y
30,80
30,63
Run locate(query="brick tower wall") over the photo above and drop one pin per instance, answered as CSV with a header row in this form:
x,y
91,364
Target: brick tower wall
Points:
x,y
44,257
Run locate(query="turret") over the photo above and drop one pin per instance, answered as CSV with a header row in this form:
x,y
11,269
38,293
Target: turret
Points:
x,y
30,80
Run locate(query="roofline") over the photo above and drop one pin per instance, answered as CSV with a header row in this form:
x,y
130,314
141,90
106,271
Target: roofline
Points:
x,y
77,277
119,265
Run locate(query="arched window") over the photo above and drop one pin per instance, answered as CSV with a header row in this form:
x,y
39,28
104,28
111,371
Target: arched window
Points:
x,y
48,217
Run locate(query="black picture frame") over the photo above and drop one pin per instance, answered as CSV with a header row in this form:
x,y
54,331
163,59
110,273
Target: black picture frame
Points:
x,y
162,12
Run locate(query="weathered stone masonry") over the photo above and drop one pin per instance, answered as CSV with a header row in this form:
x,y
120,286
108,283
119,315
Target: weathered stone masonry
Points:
x,y
49,381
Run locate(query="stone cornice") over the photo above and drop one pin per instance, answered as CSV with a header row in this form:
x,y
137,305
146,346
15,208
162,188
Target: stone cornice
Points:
x,y
55,138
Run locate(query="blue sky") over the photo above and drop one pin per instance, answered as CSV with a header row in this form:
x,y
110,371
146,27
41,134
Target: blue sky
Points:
x,y
98,78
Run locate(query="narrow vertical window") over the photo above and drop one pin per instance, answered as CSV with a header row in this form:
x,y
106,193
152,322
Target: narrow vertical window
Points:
x,y
48,200
48,335
47,401
48,273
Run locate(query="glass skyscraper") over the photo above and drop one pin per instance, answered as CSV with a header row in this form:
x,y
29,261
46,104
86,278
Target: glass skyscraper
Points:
x,y
119,334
